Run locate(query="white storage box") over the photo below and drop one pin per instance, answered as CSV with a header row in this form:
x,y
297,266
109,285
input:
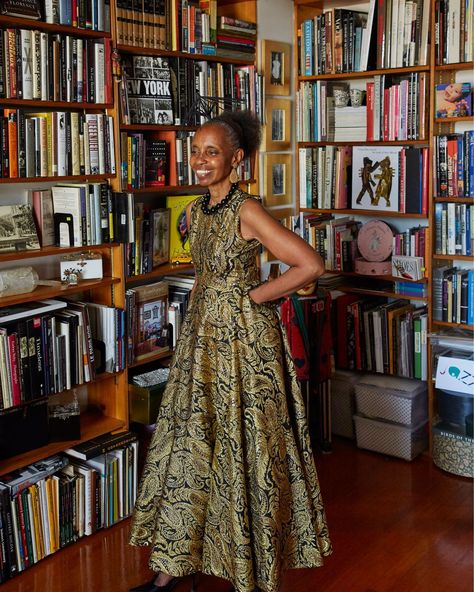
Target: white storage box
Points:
x,y
399,400
391,439
343,403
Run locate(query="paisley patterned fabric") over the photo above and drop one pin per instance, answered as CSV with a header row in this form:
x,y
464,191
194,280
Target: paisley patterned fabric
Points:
x,y
229,486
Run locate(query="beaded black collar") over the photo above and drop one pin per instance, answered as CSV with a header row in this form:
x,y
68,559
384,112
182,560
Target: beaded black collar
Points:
x,y
218,206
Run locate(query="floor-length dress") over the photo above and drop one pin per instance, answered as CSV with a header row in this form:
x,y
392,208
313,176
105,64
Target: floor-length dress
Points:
x,y
229,486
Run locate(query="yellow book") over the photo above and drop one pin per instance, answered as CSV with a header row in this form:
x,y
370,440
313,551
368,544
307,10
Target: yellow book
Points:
x,y
179,242
38,528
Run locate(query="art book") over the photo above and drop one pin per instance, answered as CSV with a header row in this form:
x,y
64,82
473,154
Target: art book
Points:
x,y
151,333
17,228
375,178
156,162
160,235
179,240
454,100
149,90
408,268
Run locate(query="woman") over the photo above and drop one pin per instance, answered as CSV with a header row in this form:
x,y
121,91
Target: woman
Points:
x,y
229,487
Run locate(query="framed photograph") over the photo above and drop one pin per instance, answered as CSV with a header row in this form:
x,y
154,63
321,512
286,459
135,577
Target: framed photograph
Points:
x,y
276,67
160,232
277,179
453,100
277,125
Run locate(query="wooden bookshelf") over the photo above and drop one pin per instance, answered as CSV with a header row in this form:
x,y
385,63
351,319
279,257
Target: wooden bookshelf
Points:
x,y
362,212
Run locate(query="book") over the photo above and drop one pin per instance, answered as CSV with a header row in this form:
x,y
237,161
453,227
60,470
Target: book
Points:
x,y
17,228
100,445
375,178
408,268
156,162
453,100
42,203
160,235
179,243
29,9
149,90
151,329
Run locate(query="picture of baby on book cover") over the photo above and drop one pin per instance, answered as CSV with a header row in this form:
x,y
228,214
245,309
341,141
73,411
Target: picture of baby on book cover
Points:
x,y
454,100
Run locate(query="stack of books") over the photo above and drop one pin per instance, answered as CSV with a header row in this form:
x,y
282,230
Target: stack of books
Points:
x,y
236,38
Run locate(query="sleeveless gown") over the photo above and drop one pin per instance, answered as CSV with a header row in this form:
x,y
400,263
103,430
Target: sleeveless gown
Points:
x,y
229,486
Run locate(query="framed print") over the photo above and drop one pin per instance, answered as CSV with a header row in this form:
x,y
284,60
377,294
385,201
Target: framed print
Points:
x,y
277,179
160,232
277,124
276,67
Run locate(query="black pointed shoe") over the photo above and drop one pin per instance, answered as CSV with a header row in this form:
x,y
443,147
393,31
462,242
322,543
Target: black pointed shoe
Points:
x,y
152,587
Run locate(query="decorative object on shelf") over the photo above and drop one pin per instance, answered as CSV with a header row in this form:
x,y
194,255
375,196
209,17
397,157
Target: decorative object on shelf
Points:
x,y
64,417
145,393
17,228
375,178
82,266
357,97
277,134
18,280
341,97
454,99
276,67
277,179
375,242
207,107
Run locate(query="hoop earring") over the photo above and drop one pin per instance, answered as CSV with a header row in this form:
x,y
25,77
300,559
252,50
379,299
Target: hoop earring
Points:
x,y
234,176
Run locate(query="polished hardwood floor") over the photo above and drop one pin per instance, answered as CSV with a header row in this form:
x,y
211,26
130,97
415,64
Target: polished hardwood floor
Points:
x,y
395,526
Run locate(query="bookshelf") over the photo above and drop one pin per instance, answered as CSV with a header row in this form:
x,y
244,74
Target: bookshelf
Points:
x,y
104,400
319,74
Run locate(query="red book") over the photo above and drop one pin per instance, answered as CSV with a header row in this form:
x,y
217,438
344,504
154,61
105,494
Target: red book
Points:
x,y
370,111
108,95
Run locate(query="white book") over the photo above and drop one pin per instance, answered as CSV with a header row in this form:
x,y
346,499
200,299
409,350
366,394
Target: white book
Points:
x,y
100,142
400,32
366,36
36,66
67,200
394,33
61,152
99,72
454,32
88,496
93,141
50,11
111,147
27,63
425,25
44,517
86,147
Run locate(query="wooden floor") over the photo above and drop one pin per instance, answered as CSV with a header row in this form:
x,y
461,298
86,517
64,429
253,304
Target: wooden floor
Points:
x,y
395,526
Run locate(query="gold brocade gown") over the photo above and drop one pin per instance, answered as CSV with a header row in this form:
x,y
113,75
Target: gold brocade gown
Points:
x,y
229,486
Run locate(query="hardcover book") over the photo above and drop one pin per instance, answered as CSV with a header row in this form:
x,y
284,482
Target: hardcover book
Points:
x,y
375,178
17,228
408,268
29,9
151,333
453,100
149,90
179,242
156,162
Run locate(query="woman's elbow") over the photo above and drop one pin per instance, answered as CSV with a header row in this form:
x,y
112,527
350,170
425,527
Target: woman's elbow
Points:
x,y
316,267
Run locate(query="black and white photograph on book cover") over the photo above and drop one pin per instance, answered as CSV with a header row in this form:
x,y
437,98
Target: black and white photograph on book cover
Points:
x,y
376,178
149,96
17,228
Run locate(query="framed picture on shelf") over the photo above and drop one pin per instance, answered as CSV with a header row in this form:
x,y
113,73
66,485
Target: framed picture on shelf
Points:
x,y
160,228
375,178
454,100
277,179
277,125
276,67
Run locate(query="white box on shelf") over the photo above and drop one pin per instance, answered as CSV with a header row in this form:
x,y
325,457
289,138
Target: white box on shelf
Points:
x,y
86,269
390,438
399,400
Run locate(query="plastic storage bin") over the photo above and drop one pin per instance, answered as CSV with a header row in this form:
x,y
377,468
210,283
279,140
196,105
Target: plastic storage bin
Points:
x,y
388,438
343,403
398,400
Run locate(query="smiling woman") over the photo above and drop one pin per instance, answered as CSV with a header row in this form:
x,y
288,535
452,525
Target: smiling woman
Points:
x,y
230,487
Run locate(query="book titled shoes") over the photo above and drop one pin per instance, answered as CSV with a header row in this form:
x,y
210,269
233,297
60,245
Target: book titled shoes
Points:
x,y
21,8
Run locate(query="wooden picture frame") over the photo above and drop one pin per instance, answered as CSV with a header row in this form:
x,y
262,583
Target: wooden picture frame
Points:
x,y
277,132
276,67
277,180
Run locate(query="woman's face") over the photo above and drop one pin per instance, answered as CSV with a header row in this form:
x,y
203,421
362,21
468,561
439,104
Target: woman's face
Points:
x,y
452,92
212,156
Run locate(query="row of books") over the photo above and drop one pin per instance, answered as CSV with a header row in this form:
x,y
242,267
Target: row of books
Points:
x,y
236,38
391,34
58,500
412,242
56,144
87,14
395,110
181,91
50,346
340,177
454,229
453,295
454,24
36,65
454,165
379,336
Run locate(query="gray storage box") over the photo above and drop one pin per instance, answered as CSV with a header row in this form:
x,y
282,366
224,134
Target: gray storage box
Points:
x,y
389,438
343,403
399,400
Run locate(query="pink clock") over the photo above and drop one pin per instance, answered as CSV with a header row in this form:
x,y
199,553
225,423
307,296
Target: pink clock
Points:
x,y
375,243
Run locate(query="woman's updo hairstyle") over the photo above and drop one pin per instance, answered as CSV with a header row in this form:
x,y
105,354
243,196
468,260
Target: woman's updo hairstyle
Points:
x,y
243,128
